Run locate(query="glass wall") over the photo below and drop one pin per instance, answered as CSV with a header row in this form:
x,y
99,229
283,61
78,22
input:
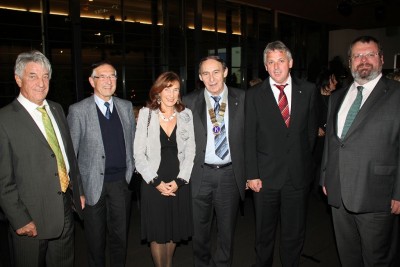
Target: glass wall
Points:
x,y
145,37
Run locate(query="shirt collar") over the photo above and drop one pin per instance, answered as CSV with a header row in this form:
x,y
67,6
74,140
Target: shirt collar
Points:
x,y
369,85
288,82
28,105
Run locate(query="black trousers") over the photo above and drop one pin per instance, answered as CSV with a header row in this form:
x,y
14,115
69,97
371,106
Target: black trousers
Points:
x,y
32,252
290,205
109,215
365,239
218,194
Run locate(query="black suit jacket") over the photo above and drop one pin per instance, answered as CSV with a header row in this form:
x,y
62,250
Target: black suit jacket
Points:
x,y
196,102
275,153
363,169
29,185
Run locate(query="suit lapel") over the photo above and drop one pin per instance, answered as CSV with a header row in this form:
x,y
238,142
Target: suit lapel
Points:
x,y
268,99
233,104
27,121
377,93
297,96
60,124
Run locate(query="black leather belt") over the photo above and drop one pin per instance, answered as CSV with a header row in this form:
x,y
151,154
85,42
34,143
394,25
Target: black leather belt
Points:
x,y
218,166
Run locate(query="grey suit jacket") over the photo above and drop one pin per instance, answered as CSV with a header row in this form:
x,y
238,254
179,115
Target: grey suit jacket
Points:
x,y
363,169
29,188
196,102
148,146
88,143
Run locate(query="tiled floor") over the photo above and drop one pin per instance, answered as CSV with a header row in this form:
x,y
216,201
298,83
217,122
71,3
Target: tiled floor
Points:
x,y
319,247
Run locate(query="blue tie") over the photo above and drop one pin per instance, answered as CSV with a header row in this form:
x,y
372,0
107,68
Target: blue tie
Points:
x,y
108,112
221,143
351,115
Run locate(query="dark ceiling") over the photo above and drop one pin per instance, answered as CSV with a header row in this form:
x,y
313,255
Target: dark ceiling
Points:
x,y
351,14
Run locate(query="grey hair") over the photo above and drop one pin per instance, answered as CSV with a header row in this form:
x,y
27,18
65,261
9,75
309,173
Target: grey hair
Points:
x,y
33,56
276,45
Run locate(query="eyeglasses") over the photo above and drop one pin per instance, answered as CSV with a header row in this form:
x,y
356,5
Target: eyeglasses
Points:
x,y
105,77
369,55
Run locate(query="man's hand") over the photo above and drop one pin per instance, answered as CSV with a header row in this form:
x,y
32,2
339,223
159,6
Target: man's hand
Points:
x,y
395,206
255,184
82,202
324,190
28,230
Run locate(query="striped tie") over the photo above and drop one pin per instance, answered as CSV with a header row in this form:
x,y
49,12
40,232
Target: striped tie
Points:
x,y
283,103
53,142
220,140
351,115
108,111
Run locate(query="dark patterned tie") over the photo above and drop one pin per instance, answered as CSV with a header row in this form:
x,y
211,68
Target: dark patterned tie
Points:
x,y
221,143
283,103
351,115
108,112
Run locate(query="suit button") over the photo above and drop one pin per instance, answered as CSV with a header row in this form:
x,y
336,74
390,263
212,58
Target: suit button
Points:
x,y
342,145
288,135
102,157
202,166
56,174
52,155
59,192
101,173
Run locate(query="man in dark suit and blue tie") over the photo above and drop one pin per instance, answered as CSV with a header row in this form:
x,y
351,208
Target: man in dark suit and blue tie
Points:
x,y
280,132
38,170
217,179
361,160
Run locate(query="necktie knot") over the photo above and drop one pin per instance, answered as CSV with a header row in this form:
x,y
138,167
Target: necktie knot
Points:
x,y
108,111
216,98
216,104
281,86
360,88
42,110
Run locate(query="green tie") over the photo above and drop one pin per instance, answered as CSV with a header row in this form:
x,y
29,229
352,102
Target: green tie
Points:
x,y
53,142
351,115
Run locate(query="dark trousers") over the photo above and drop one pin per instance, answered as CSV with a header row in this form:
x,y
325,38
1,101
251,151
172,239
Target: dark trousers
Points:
x,y
110,214
365,239
218,194
32,252
290,205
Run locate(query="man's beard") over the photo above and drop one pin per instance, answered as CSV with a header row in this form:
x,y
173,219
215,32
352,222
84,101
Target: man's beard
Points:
x,y
366,74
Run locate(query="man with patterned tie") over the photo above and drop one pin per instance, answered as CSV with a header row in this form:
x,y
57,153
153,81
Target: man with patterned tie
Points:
x,y
280,132
361,161
102,129
38,170
217,179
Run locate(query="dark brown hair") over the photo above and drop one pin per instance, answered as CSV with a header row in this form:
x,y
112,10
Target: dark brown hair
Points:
x,y
163,81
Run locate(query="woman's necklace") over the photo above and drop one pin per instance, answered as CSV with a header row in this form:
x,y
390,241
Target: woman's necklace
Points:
x,y
167,119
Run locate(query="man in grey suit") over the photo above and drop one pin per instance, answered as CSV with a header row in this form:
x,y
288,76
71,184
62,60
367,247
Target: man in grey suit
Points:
x,y
217,178
102,129
361,161
38,170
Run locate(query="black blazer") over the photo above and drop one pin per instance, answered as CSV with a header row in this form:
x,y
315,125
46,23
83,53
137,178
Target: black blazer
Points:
x,y
362,170
196,102
29,187
275,153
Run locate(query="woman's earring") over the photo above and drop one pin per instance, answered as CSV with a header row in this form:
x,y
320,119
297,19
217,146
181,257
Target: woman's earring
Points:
x,y
178,101
158,100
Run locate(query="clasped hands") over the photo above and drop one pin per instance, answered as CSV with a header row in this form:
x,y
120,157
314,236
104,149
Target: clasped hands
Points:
x,y
255,185
167,189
